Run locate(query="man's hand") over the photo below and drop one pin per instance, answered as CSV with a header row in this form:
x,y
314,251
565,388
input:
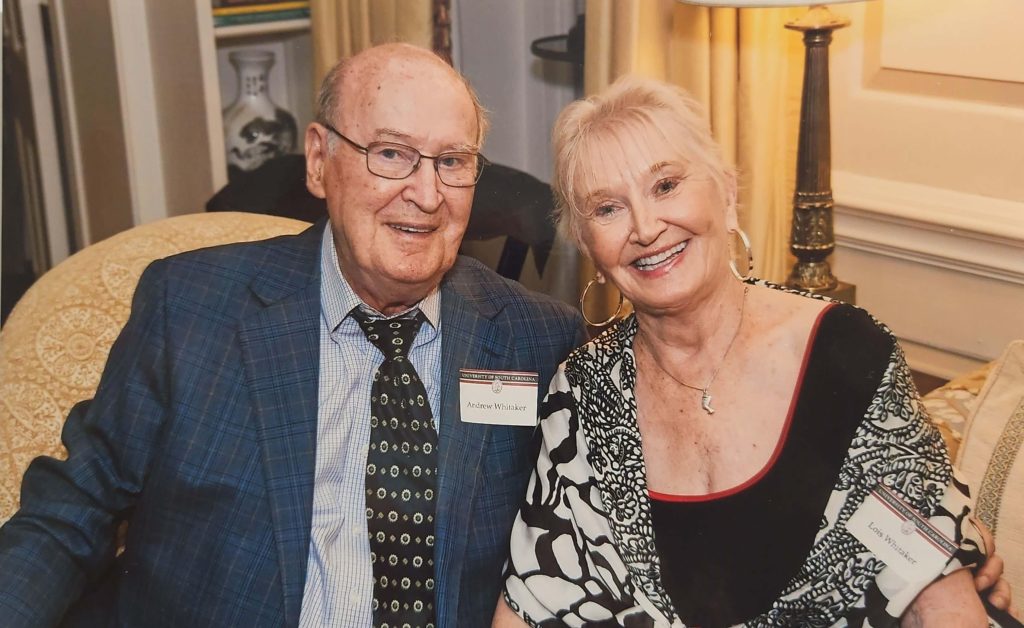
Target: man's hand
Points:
x,y
988,579
949,601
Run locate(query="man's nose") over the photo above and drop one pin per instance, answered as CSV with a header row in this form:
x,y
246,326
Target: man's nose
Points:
x,y
423,187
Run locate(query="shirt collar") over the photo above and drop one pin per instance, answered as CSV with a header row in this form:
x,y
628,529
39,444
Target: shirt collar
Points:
x,y
337,297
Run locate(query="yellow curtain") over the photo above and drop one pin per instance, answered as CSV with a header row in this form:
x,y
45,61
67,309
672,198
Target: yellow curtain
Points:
x,y
746,69
341,28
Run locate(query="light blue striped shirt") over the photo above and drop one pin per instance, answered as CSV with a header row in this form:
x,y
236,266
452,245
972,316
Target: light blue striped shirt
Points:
x,y
339,577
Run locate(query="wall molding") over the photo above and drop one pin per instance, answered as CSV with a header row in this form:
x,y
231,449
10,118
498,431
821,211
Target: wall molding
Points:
x,y
931,226
944,269
938,362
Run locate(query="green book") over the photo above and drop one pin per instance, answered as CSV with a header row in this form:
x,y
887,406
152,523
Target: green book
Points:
x,y
258,17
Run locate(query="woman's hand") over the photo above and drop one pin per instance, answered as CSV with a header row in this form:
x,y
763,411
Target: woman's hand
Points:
x,y
949,601
504,617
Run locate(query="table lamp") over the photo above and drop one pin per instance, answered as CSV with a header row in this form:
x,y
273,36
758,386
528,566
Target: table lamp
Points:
x,y
812,237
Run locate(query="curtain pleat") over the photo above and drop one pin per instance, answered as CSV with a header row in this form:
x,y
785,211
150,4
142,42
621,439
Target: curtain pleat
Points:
x,y
745,68
341,28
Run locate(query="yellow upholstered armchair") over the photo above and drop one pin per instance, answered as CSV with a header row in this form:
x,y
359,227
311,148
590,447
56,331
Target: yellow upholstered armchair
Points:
x,y
56,340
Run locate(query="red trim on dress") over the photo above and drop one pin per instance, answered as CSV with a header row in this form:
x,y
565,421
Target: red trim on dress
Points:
x,y
667,497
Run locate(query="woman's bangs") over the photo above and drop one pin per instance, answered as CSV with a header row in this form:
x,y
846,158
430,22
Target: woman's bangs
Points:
x,y
623,146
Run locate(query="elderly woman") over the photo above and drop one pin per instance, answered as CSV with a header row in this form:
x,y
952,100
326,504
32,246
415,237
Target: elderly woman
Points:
x,y
733,451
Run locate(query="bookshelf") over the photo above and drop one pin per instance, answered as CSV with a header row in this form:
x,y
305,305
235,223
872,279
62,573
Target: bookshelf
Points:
x,y
142,84
291,83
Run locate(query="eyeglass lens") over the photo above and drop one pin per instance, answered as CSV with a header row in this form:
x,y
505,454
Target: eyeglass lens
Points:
x,y
397,161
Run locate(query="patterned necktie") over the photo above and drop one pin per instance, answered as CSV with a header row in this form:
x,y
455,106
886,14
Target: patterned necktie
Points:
x,y
401,478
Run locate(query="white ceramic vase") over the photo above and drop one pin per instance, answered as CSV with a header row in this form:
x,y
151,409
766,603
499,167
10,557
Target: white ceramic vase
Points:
x,y
255,129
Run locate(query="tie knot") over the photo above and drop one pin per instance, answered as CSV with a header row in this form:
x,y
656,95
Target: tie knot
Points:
x,y
393,336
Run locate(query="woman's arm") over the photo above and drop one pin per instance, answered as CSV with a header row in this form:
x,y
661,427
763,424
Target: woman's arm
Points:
x,y
505,617
949,601
561,561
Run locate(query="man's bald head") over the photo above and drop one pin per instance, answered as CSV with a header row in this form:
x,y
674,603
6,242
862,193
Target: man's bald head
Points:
x,y
359,71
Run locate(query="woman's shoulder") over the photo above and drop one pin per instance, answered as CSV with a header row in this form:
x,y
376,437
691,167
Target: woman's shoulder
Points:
x,y
828,340
806,314
610,344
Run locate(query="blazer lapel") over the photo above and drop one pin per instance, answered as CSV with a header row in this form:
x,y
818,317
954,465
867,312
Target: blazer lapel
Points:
x,y
281,353
470,339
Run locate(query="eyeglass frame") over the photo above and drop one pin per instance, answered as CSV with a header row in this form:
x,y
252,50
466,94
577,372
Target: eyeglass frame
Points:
x,y
365,150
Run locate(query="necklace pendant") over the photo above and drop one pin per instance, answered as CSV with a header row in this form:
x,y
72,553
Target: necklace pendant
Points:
x,y
705,402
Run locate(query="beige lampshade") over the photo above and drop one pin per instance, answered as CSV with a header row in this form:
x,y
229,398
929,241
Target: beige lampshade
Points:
x,y
742,4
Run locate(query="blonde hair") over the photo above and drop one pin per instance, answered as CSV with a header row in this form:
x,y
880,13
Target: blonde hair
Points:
x,y
631,107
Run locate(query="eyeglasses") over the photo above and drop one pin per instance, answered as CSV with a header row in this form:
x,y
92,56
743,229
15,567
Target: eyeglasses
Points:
x,y
398,161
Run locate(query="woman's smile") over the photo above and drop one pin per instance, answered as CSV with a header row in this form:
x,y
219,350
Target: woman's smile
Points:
x,y
661,259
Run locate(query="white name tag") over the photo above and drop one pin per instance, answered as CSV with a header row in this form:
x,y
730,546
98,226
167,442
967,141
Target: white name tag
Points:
x,y
900,536
498,397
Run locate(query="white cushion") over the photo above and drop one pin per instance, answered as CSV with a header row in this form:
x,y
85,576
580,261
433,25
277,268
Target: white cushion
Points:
x,y
992,458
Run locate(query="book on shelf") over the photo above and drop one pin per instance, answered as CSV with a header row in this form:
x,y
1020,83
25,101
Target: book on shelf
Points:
x,y
263,7
217,4
283,11
258,18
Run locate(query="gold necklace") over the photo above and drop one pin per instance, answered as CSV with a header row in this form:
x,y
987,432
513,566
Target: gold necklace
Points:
x,y
705,395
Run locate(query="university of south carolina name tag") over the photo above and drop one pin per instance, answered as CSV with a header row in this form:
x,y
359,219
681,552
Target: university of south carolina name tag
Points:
x,y
498,397
900,536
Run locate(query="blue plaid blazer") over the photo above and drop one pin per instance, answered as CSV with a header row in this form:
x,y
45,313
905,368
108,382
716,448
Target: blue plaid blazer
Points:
x,y
202,436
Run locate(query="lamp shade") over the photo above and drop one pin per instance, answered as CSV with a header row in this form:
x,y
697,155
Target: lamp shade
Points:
x,y
742,4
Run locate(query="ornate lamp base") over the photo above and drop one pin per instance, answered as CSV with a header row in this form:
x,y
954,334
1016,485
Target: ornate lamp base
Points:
x,y
811,238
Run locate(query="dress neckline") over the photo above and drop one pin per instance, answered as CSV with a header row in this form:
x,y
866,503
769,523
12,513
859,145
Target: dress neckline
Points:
x,y
779,444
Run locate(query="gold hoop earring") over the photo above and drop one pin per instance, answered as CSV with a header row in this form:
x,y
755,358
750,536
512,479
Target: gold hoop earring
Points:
x,y
750,256
583,297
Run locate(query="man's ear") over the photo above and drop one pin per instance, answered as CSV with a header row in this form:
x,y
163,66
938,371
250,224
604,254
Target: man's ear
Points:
x,y
316,159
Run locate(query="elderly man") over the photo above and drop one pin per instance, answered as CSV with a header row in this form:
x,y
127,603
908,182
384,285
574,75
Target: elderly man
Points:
x,y
296,430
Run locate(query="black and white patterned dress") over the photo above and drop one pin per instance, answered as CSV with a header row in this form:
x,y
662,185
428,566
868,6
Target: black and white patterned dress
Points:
x,y
582,548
